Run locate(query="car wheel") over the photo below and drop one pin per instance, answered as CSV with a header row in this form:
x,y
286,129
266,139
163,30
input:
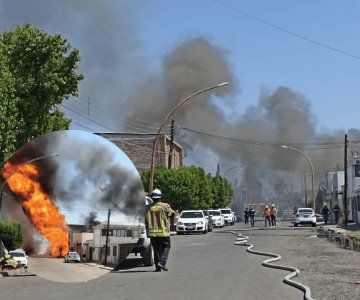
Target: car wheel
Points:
x,y
148,259
296,224
313,224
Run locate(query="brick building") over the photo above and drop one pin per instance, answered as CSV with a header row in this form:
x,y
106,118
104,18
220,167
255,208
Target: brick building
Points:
x,y
138,147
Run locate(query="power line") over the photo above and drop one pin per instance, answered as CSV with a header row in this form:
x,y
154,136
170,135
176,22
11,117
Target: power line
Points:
x,y
302,37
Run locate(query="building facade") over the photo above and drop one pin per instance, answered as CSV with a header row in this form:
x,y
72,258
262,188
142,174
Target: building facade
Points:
x,y
138,147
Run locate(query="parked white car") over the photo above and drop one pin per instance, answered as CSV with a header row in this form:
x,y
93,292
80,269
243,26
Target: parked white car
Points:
x,y
72,257
305,216
192,221
228,216
20,256
143,245
217,218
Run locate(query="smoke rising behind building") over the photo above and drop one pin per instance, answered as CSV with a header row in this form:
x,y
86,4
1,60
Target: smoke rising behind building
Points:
x,y
118,76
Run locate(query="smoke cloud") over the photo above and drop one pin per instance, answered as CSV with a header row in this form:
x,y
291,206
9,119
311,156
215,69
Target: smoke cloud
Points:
x,y
118,76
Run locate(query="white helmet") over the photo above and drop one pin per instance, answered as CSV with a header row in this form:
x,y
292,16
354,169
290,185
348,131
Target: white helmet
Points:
x,y
156,194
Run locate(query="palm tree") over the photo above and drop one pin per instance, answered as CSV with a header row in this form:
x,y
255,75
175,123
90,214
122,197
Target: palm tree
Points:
x,y
280,188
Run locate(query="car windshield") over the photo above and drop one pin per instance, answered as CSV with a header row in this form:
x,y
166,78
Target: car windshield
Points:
x,y
17,254
226,211
73,254
215,213
305,210
191,214
205,213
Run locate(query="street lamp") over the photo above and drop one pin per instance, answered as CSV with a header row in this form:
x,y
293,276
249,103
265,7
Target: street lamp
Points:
x,y
312,171
152,165
228,170
17,168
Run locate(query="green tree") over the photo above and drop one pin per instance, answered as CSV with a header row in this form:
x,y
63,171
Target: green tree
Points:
x,y
187,187
9,119
11,234
222,191
43,68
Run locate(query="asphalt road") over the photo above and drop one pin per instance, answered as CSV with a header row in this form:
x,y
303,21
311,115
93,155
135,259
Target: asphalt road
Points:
x,y
200,267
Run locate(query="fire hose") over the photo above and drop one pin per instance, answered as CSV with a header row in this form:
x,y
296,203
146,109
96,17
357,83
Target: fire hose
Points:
x,y
243,241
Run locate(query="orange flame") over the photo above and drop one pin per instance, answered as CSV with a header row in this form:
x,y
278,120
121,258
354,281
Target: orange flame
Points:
x,y
23,182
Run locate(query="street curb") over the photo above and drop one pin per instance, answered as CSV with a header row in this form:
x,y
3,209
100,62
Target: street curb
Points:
x,y
339,236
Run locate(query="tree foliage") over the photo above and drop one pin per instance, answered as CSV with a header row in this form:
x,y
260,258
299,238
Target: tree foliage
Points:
x,y
190,188
11,234
9,119
41,70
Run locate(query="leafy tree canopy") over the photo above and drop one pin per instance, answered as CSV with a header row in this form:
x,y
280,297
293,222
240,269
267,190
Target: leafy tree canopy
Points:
x,y
190,188
42,68
11,235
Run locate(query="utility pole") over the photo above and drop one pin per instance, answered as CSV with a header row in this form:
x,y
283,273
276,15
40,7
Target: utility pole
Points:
x,y
305,187
88,106
107,237
345,201
172,133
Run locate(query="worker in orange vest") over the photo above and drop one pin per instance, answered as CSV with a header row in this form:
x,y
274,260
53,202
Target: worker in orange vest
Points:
x,y
267,215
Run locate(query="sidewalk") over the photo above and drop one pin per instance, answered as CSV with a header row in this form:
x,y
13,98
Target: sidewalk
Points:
x,y
342,235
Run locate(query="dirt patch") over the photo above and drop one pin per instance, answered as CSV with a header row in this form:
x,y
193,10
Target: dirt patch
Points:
x,y
332,273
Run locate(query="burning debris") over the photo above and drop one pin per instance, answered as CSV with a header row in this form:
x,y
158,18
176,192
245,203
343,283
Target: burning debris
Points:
x,y
23,181
90,173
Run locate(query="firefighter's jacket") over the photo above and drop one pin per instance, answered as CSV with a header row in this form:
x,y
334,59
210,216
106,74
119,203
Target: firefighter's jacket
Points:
x,y
157,219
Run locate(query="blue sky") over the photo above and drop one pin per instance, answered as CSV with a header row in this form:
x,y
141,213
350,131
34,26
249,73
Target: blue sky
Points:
x,y
263,56
260,55
123,43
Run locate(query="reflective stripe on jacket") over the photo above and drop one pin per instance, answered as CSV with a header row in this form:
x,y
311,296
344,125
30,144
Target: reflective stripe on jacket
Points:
x,y
158,219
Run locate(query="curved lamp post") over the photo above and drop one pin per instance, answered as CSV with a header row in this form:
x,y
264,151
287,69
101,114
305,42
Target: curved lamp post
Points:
x,y
312,171
152,165
17,168
232,168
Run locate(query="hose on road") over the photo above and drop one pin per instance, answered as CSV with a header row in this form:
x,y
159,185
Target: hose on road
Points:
x,y
243,241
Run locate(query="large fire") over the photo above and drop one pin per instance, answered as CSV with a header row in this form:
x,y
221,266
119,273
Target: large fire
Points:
x,y
23,181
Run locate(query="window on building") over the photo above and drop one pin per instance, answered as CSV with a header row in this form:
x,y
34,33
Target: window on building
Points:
x,y
114,251
129,233
103,232
358,203
357,170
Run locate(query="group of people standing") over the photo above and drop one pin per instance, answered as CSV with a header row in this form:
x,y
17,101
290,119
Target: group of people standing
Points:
x,y
249,214
270,215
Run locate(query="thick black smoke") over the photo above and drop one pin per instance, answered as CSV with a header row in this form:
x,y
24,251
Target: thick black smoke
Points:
x,y
117,76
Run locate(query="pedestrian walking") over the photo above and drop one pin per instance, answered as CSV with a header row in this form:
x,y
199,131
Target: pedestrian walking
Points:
x,y
336,210
273,214
325,212
157,221
267,216
252,216
246,216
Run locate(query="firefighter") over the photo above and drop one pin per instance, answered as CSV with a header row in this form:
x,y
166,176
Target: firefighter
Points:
x,y
325,212
246,215
157,221
336,210
273,214
252,216
267,216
